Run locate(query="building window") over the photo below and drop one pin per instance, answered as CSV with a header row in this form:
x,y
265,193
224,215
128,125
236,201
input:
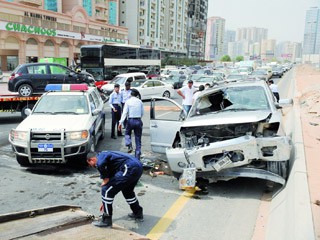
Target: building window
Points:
x,y
51,5
48,43
87,5
32,41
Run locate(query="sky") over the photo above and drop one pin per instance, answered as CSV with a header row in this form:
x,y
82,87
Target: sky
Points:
x,y
284,19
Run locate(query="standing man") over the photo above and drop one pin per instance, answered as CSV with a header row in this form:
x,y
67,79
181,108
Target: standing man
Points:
x,y
186,93
119,172
133,109
115,104
125,95
274,89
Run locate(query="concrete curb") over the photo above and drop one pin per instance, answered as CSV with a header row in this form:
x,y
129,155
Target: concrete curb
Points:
x,y
290,214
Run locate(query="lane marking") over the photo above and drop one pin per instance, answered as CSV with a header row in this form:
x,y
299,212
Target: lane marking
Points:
x,y
163,224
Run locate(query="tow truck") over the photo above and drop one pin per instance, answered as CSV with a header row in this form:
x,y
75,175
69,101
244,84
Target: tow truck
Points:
x,y
12,102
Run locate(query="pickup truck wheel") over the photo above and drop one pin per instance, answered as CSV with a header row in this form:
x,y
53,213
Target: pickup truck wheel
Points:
x,y
166,94
23,161
25,90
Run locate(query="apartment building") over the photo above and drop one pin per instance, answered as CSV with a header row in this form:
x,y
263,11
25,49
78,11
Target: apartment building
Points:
x,y
252,34
33,29
214,38
268,49
160,24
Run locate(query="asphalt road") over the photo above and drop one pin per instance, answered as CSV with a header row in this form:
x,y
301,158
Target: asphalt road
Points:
x,y
229,211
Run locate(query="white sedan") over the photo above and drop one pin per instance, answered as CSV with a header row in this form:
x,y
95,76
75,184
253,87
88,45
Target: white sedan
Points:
x,y
152,88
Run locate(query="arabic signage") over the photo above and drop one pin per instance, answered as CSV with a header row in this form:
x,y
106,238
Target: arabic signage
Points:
x,y
19,27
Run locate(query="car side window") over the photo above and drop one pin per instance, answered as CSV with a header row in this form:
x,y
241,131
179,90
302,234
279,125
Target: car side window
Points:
x,y
157,83
149,84
57,70
140,77
130,79
92,104
170,113
95,99
37,69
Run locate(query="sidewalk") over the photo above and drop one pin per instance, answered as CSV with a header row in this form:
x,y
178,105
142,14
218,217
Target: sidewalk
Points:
x,y
308,87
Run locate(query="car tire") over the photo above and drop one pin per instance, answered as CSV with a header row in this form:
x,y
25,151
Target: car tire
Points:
x,y
92,144
166,94
139,96
23,161
25,90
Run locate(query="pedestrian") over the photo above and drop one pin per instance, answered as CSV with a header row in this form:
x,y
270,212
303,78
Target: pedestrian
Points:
x,y
119,172
186,93
125,95
133,109
196,94
115,104
274,89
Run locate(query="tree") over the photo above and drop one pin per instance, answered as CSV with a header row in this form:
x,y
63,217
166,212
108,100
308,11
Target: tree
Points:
x,y
225,58
239,58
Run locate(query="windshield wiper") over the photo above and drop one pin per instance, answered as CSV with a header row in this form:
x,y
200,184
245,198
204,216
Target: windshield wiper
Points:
x,y
238,109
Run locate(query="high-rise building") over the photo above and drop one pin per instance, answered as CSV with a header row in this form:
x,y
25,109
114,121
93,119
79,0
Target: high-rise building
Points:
x,y
197,17
252,34
229,36
311,40
34,29
268,49
215,38
156,23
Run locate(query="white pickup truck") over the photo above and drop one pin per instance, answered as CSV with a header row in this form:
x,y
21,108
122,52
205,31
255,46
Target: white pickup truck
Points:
x,y
64,125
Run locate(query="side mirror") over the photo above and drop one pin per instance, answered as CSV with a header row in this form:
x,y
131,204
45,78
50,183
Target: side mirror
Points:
x,y
27,111
96,112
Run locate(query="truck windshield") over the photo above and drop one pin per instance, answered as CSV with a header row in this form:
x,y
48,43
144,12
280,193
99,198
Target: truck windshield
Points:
x,y
62,104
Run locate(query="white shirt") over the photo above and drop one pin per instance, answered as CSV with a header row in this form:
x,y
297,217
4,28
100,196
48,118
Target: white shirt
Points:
x,y
274,88
133,108
188,94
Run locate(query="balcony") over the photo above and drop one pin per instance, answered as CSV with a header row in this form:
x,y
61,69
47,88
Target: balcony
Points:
x,y
101,16
31,2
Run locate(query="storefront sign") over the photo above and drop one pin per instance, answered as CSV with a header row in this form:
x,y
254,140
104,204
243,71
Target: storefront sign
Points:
x,y
18,27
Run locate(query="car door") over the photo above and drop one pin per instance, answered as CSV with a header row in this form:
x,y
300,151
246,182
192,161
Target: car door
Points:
x,y
39,77
166,117
94,96
60,74
158,89
147,89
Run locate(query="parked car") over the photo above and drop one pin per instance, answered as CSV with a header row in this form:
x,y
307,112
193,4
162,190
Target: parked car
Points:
x,y
65,124
233,130
152,88
205,79
277,71
259,74
121,79
31,78
175,80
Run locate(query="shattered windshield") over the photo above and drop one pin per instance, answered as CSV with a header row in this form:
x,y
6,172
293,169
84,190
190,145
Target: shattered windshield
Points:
x,y
249,98
62,104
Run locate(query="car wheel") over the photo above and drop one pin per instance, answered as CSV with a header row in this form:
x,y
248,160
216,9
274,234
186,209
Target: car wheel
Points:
x,y
166,94
23,161
25,90
139,96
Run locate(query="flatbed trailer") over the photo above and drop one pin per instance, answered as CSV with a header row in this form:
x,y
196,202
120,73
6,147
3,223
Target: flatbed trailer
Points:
x,y
58,222
15,103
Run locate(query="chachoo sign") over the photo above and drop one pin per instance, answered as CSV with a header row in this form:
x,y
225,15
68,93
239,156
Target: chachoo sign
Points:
x,y
19,27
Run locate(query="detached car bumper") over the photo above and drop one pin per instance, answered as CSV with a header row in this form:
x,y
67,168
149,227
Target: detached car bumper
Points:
x,y
246,148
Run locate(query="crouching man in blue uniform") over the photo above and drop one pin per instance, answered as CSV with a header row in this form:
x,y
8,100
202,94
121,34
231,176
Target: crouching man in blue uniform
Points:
x,y
119,172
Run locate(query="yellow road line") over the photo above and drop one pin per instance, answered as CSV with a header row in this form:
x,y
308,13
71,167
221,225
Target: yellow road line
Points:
x,y
170,215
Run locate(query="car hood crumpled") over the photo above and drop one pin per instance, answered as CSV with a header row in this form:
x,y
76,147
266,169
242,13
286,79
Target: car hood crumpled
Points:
x,y
54,122
227,117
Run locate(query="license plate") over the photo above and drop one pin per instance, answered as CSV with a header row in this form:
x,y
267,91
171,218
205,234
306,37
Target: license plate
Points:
x,y
222,163
45,147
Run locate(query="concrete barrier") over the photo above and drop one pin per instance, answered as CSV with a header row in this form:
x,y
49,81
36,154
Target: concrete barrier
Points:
x,y
290,215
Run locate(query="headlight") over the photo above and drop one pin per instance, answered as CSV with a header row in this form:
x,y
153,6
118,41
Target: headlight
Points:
x,y
78,136
16,135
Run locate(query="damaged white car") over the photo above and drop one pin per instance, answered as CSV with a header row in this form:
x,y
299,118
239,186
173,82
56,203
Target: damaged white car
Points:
x,y
232,130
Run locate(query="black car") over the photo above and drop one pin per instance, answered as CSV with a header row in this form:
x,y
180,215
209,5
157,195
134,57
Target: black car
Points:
x,y
31,78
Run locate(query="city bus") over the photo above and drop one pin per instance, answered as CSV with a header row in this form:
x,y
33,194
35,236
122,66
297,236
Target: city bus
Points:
x,y
104,61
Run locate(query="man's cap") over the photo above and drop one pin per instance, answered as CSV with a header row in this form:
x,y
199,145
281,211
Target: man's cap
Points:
x,y
190,81
116,85
134,92
127,84
91,155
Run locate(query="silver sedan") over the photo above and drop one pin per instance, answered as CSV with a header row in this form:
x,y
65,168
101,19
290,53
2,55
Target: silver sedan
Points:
x,y
152,88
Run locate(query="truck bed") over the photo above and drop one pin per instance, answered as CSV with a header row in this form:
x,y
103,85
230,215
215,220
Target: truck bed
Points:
x,y
58,222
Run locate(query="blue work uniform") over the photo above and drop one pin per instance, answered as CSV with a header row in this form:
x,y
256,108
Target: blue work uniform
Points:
x,y
115,103
125,95
123,171
133,109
